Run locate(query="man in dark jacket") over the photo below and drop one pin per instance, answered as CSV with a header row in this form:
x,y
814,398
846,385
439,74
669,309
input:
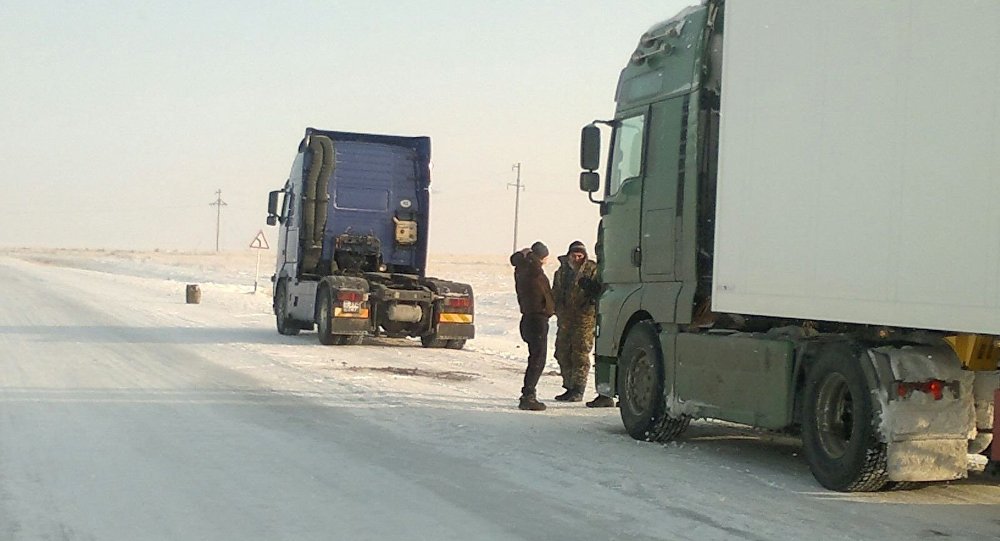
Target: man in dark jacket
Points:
x,y
534,296
576,313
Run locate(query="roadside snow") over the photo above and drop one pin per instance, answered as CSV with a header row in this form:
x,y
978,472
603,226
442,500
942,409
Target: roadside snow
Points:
x,y
455,410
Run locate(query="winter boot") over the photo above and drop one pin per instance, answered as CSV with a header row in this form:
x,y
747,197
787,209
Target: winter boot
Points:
x,y
572,394
530,403
601,402
565,396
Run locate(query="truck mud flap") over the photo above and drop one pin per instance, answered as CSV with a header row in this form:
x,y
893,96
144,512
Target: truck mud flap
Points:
x,y
450,331
926,437
344,325
347,325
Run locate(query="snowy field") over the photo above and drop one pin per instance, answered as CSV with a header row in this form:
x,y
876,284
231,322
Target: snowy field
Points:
x,y
127,414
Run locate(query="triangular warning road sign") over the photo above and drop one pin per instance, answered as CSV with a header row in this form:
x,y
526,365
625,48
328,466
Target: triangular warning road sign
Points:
x,y
259,242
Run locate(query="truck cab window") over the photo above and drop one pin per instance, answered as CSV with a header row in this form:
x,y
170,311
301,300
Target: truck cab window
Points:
x,y
626,152
287,208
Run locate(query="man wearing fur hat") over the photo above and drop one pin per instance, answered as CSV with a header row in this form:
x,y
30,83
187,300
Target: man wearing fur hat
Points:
x,y
534,297
576,313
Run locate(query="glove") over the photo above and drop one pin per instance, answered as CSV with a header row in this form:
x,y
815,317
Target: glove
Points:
x,y
591,288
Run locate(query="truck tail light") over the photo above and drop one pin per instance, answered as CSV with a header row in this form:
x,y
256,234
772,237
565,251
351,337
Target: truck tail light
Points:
x,y
934,387
350,296
456,309
458,303
351,304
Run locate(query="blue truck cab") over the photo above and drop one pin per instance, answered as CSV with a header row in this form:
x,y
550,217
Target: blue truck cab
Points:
x,y
353,222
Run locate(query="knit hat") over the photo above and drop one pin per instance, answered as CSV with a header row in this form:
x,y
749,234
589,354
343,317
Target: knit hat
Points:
x,y
540,250
577,246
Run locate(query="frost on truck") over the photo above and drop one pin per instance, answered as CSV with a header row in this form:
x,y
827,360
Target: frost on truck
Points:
x,y
798,232
352,244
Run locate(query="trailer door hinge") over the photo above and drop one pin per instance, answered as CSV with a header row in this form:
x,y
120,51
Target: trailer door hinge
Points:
x,y
637,256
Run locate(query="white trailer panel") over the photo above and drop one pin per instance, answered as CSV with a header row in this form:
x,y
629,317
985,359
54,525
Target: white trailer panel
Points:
x,y
860,162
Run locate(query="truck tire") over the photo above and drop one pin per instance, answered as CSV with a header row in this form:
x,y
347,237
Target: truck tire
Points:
x,y
351,339
839,438
432,341
285,324
324,324
993,469
457,343
324,327
901,486
640,375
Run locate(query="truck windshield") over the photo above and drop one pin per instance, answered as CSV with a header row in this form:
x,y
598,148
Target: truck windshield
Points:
x,y
626,152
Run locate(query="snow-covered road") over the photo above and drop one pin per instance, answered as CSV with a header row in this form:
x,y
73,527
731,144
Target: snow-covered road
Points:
x,y
127,414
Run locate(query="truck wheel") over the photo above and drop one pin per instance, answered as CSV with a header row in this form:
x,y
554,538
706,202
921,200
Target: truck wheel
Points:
x,y
900,486
324,325
286,325
993,469
432,341
351,339
457,343
838,432
640,371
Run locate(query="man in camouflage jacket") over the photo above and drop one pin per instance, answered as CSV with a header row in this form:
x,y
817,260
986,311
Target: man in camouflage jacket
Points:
x,y
576,313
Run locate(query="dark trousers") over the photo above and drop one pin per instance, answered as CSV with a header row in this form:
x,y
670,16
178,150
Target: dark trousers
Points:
x,y
535,333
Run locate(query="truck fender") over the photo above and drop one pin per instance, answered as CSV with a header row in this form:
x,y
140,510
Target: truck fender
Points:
x,y
612,326
442,289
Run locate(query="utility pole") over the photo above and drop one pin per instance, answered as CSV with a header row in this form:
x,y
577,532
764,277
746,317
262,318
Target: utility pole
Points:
x,y
517,198
218,203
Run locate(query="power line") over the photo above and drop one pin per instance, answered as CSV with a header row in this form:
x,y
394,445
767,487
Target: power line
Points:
x,y
219,203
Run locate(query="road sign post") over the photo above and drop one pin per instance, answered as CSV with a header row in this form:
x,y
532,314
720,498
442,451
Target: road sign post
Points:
x,y
258,243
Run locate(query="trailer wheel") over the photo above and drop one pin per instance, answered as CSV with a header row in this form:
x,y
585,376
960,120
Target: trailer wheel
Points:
x,y
286,325
838,432
457,343
643,405
324,325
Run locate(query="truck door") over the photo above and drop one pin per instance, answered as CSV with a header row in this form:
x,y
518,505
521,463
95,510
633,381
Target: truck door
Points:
x,y
665,170
288,233
623,202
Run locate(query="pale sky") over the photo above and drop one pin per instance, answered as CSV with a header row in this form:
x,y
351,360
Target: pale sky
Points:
x,y
120,120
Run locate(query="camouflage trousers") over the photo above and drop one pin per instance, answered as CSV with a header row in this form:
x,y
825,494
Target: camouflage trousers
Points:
x,y
574,342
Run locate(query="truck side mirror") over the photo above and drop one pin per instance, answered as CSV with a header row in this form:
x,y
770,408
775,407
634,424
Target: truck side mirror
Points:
x,y
590,147
272,206
590,181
